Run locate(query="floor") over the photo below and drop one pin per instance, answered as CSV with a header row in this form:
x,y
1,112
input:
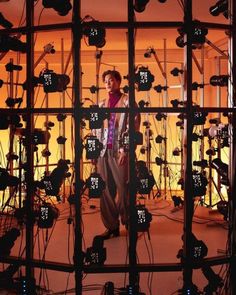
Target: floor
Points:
x,y
165,240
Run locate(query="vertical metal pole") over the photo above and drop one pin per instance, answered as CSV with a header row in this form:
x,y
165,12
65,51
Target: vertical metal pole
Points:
x,y
188,187
76,51
182,79
202,97
29,146
218,104
11,135
165,123
46,121
133,275
98,56
63,104
232,163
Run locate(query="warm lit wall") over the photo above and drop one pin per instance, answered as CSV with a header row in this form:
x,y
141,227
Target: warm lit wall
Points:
x,y
117,58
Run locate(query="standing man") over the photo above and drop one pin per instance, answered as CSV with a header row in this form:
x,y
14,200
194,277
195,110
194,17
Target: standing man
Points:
x,y
113,162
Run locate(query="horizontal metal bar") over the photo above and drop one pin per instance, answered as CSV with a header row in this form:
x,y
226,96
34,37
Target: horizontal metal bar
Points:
x,y
118,268
70,111
114,25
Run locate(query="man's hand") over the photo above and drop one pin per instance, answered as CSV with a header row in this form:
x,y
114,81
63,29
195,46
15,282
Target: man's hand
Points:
x,y
94,161
122,158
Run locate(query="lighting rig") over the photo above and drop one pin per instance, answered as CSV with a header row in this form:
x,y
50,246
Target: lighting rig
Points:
x,y
7,180
143,79
52,182
53,82
144,178
7,241
221,6
4,22
95,185
95,255
93,147
140,5
62,7
11,43
199,251
176,72
143,219
198,35
95,117
94,31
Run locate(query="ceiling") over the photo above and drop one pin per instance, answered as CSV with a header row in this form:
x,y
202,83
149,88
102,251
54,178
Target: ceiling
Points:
x,y
14,11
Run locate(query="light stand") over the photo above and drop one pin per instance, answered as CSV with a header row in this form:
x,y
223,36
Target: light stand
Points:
x,y
211,180
148,134
162,69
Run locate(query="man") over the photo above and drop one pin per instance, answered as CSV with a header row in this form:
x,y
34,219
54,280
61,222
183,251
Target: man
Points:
x,y
112,164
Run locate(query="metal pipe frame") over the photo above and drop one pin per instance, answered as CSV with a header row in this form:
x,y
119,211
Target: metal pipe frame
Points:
x,y
133,268
116,268
231,171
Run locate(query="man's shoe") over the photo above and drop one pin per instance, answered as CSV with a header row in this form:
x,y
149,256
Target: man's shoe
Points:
x,y
110,233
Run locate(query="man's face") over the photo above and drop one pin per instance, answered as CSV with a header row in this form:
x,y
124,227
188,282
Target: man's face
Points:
x,y
111,84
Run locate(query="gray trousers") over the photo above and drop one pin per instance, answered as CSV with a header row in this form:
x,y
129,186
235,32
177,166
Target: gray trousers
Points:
x,y
114,200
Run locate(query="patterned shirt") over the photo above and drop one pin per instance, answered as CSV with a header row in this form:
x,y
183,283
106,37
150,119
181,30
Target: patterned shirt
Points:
x,y
113,100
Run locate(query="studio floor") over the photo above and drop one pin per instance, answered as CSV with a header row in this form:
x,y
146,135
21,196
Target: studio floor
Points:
x,y
56,244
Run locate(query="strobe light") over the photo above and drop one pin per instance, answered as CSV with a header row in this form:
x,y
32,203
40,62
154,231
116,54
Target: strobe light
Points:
x,y
222,170
196,136
176,72
221,6
4,22
6,120
7,180
96,255
144,179
203,163
93,147
199,184
199,250
199,117
160,116
95,33
178,201
11,102
53,82
221,80
149,51
95,185
7,241
47,215
95,117
140,5
159,161
10,67
143,218
62,7
144,79
52,183
124,140
223,208
221,132
160,139
11,43
158,88
198,35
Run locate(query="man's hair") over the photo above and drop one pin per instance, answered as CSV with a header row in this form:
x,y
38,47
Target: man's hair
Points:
x,y
113,73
